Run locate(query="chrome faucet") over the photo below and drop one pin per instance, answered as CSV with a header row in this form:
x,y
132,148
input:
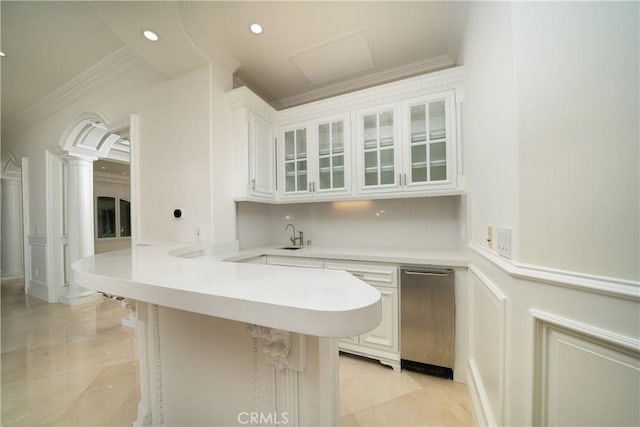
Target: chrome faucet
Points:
x,y
295,240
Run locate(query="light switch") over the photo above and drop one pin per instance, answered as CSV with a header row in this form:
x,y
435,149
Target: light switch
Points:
x,y
503,246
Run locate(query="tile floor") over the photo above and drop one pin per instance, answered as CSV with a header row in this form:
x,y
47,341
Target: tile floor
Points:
x,y
76,366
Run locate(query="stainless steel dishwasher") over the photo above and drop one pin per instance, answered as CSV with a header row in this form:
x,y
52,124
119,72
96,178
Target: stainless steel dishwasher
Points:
x,y
427,321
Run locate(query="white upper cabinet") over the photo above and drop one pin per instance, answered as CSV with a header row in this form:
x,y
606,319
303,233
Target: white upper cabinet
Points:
x,y
261,157
407,146
294,164
253,140
314,159
399,139
379,149
429,155
333,156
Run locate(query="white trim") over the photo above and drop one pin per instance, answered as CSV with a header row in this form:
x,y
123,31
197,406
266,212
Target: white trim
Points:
x,y
482,412
500,300
49,205
373,96
26,223
5,279
108,69
543,323
419,67
614,287
38,289
629,344
110,178
134,176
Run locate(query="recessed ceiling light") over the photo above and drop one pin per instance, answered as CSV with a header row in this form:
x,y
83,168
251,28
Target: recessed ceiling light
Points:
x,y
2,54
103,167
255,28
150,35
124,173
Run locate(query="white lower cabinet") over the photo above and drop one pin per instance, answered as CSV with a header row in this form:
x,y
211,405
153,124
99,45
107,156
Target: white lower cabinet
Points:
x,y
289,261
382,342
256,260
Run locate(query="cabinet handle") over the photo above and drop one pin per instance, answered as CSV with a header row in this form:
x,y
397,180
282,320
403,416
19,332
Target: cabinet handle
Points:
x,y
428,273
313,185
253,184
400,179
357,274
405,178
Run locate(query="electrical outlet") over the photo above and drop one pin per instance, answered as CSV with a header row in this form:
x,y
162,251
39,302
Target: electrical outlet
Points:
x,y
504,242
198,234
490,236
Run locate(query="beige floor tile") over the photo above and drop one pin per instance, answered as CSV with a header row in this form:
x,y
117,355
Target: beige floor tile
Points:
x,y
76,366
365,383
416,409
401,399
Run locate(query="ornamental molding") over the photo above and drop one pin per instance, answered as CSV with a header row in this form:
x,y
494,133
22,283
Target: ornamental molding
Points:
x,y
276,344
416,68
609,286
396,91
107,70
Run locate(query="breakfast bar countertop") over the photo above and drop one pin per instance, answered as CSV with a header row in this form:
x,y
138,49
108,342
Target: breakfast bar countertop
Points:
x,y
195,278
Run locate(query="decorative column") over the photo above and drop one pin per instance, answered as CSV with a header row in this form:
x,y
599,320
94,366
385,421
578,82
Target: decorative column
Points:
x,y
80,219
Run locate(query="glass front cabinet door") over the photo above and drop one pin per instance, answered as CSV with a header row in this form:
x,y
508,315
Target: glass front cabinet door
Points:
x,y
315,159
295,176
379,150
428,142
333,156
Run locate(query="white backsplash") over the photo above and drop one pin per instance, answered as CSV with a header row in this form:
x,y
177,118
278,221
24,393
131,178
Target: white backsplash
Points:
x,y
420,223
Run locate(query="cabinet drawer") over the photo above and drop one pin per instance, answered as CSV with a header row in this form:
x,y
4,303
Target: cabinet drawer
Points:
x,y
294,262
374,274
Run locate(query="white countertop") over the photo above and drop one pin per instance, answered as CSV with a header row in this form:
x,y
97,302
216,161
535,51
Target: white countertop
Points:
x,y
395,256
314,302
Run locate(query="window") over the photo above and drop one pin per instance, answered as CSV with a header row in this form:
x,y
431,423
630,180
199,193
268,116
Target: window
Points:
x,y
113,217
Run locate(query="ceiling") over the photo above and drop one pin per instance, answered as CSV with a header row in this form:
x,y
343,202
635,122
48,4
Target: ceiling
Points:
x,y
308,50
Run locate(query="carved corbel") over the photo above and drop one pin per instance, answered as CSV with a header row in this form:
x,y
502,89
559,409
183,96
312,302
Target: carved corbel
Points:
x,y
276,344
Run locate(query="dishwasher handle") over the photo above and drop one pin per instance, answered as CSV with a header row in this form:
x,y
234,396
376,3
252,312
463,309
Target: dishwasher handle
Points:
x,y
428,273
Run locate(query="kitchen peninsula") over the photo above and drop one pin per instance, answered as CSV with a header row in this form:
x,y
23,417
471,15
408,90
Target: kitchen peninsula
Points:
x,y
223,343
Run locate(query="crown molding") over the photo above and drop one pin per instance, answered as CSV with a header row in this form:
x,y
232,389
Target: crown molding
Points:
x,y
103,72
419,67
451,78
111,178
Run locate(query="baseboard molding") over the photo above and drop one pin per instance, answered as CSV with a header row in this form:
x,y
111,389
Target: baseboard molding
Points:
x,y
12,278
609,286
39,290
480,405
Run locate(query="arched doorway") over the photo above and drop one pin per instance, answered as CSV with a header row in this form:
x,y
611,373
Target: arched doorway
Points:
x,y
70,199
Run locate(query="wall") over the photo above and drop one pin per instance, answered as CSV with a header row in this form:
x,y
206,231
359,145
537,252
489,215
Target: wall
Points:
x,y
420,223
174,159
555,332
578,130
175,139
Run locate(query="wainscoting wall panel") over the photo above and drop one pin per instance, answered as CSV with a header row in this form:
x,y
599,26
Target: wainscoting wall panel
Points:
x,y
551,347
570,356
37,276
487,353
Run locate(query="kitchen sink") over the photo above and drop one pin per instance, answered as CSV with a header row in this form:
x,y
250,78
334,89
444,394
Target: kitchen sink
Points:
x,y
292,248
